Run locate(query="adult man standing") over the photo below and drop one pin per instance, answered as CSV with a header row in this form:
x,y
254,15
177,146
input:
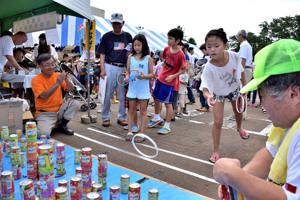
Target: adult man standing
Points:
x,y
7,44
274,171
112,61
47,88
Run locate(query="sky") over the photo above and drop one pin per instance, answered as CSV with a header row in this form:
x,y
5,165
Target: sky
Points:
x,y
197,17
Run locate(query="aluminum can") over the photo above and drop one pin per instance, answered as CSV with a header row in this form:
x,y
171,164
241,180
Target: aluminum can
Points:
x,y
7,148
86,158
35,183
32,168
97,187
27,190
153,194
4,132
45,159
77,156
76,188
61,193
134,192
60,152
102,163
19,133
38,189
13,140
15,155
31,132
51,142
8,197
31,150
47,185
64,183
60,167
93,196
124,183
78,170
7,183
22,159
43,138
114,192
40,143
16,168
102,179
86,176
23,144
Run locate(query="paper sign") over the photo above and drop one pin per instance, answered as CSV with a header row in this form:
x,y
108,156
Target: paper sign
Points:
x,y
52,36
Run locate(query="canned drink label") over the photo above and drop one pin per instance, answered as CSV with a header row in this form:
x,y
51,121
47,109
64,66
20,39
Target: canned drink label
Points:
x,y
15,172
30,193
134,196
9,184
41,160
43,185
73,190
31,132
85,159
51,159
31,149
30,168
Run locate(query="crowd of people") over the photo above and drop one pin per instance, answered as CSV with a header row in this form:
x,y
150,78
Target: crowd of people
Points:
x,y
167,78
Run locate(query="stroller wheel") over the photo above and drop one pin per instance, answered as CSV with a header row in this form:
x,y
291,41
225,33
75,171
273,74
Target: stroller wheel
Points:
x,y
93,105
83,107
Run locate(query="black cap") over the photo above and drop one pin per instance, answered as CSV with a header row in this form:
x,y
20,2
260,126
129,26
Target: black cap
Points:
x,y
42,36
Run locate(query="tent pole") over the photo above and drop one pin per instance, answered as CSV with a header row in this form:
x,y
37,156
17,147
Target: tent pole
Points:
x,y
88,69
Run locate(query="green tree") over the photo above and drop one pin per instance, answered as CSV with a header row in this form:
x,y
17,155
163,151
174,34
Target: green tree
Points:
x,y
191,40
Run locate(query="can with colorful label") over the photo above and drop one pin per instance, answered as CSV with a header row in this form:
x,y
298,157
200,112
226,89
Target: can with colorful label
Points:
x,y
64,183
124,183
15,155
60,167
31,131
7,183
16,168
1,151
4,132
85,191
40,143
60,152
43,138
19,133
102,179
27,190
23,144
93,196
86,158
102,163
7,148
114,192
97,187
153,194
31,150
86,176
77,156
47,185
61,193
134,192
22,159
38,190
32,168
45,159
51,142
35,183
8,197
13,140
76,188
78,170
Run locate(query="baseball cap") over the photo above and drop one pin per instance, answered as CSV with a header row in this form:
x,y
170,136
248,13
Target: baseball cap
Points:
x,y
242,32
281,57
42,36
116,17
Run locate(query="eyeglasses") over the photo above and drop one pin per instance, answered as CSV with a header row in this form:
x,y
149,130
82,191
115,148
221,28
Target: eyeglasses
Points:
x,y
49,65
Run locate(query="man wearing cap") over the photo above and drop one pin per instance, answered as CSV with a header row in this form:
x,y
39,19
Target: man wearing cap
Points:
x,y
274,171
112,61
7,44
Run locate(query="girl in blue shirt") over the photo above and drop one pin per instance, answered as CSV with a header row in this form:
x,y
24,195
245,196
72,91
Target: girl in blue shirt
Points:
x,y
139,88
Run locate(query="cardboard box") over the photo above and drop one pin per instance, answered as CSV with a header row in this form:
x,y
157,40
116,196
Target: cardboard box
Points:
x,y
11,115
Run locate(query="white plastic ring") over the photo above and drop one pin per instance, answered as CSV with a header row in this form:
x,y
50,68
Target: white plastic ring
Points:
x,y
237,104
152,141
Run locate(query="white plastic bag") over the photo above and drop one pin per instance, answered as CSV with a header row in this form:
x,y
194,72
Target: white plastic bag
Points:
x,y
102,87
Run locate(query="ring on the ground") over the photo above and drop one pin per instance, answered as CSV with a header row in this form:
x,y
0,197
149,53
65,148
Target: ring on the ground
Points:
x,y
145,136
241,104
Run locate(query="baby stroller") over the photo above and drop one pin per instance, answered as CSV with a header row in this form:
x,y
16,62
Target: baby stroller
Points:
x,y
78,87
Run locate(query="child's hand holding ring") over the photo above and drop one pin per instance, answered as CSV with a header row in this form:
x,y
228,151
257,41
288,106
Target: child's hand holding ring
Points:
x,y
211,101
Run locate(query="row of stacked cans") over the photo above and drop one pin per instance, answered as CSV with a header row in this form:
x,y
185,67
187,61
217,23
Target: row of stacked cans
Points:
x,y
86,163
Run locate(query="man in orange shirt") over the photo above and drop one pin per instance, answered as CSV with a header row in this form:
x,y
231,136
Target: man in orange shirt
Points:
x,y
50,108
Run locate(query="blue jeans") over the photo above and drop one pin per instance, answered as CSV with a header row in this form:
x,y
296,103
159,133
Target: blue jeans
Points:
x,y
253,96
202,99
190,93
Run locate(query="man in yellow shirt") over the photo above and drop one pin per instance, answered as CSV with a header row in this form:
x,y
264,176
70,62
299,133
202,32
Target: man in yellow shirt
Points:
x,y
50,108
